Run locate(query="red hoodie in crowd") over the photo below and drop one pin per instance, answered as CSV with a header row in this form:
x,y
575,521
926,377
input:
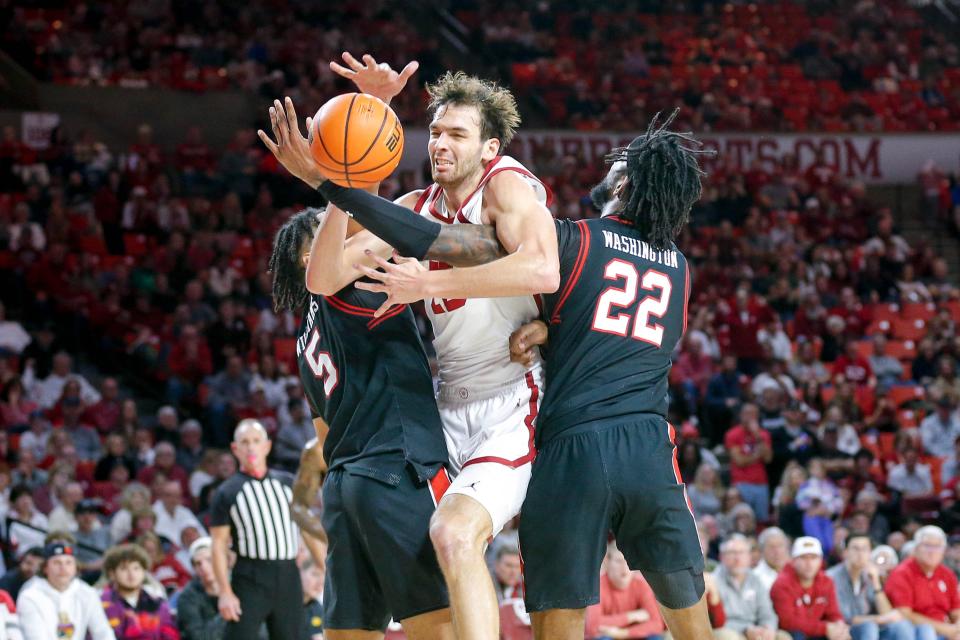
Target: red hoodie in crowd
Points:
x,y
805,610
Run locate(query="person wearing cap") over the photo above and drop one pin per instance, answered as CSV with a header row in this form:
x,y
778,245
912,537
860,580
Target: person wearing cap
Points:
x,y
131,610
746,602
196,604
252,510
941,429
863,603
805,598
924,590
58,604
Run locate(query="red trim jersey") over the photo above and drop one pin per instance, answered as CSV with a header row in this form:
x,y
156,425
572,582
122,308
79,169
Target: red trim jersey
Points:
x,y
619,312
471,336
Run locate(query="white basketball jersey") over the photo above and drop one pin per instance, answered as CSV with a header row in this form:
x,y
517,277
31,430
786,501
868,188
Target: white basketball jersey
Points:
x,y
472,336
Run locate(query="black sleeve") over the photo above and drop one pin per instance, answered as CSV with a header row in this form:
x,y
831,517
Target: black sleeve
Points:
x,y
220,505
409,233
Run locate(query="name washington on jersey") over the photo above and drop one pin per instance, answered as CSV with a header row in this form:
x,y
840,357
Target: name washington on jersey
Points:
x,y
640,249
308,326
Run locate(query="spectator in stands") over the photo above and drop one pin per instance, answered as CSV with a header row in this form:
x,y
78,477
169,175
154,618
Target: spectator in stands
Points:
x,y
84,437
229,391
746,601
774,546
821,502
166,569
704,492
25,526
805,598
507,575
197,614
951,464
189,363
93,539
860,594
60,605
311,577
692,372
28,565
627,604
15,407
940,430
131,610
805,366
46,392
947,381
136,497
172,516
750,452
104,415
886,368
723,398
924,590
911,478
166,428
293,436
13,337
35,439
165,463
190,450
63,516
853,367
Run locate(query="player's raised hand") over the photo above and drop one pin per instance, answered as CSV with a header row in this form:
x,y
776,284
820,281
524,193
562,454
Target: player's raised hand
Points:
x,y
377,79
402,280
523,342
291,149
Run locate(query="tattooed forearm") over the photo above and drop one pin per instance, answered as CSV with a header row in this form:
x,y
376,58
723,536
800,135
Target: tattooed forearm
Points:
x,y
466,245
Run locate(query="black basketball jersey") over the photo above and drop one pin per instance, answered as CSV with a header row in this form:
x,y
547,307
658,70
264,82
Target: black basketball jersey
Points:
x,y
619,312
370,381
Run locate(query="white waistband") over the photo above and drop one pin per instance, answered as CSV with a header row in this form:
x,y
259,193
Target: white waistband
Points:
x,y
467,393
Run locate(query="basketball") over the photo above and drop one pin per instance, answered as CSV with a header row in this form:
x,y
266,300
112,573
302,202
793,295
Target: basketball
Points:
x,y
356,139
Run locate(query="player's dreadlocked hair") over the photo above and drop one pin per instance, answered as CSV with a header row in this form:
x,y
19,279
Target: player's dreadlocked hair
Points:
x,y
664,181
289,286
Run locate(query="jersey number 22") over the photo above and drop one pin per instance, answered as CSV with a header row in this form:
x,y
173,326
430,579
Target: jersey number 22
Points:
x,y
652,305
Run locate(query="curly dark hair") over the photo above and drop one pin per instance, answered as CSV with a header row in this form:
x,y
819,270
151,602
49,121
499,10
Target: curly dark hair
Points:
x,y
289,286
499,115
664,180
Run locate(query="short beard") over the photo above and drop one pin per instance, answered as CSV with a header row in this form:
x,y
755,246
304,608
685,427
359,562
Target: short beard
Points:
x,y
604,200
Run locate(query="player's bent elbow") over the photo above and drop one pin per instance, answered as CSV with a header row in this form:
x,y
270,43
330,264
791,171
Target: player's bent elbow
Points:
x,y
548,278
321,286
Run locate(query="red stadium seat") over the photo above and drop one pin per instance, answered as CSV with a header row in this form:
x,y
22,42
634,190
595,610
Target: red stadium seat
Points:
x,y
902,350
908,419
885,311
954,307
902,395
285,350
919,311
514,621
906,329
135,244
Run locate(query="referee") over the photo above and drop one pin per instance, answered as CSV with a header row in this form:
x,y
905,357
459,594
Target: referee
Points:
x,y
251,509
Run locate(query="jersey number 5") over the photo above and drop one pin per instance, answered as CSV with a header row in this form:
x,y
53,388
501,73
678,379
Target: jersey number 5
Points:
x,y
321,364
652,305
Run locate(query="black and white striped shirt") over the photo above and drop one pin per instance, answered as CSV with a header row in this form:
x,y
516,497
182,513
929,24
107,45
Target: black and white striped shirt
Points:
x,y
258,513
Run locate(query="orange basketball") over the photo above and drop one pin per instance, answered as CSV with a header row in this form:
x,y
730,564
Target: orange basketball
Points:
x,y
356,139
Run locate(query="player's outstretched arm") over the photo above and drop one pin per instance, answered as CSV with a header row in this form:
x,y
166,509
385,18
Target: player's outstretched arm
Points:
x,y
376,79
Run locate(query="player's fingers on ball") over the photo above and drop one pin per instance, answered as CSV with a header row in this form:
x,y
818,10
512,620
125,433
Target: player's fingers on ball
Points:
x,y
352,62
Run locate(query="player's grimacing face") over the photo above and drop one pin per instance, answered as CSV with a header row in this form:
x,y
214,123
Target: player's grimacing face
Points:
x,y
455,148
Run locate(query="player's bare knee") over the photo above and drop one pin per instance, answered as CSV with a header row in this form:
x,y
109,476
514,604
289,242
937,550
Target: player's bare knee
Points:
x,y
453,540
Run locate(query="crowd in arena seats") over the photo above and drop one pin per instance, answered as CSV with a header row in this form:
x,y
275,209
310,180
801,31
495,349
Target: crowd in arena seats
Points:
x,y
772,66
779,65
816,392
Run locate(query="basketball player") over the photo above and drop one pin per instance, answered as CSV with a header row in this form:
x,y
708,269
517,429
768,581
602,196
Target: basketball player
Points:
x,y
384,446
606,454
488,404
